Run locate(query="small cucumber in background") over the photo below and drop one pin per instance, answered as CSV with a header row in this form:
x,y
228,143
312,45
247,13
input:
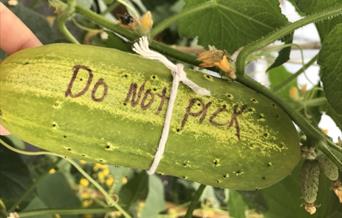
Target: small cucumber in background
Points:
x,y
108,106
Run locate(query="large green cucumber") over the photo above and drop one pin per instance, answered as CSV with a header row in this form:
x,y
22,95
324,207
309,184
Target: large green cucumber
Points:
x,y
108,106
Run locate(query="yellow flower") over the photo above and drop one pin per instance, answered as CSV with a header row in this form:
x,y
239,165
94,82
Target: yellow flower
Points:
x,y
101,177
87,203
217,58
84,182
105,171
52,171
142,24
145,23
85,195
109,181
98,166
294,93
124,180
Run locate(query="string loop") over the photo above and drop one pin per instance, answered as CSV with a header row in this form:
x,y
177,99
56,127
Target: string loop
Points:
x,y
179,75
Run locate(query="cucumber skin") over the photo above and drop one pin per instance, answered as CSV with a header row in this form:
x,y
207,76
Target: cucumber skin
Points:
x,y
34,106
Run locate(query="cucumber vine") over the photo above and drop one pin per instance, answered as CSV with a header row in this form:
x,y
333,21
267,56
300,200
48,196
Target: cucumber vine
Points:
x,y
309,130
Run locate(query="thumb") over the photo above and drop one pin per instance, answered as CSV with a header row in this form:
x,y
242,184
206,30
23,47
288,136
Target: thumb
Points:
x,y
3,131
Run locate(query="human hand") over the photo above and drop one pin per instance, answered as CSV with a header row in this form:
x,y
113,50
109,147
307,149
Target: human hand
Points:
x,y
14,36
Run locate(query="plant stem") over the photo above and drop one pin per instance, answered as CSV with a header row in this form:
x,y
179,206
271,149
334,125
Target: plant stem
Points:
x,y
76,211
194,201
335,146
102,21
305,46
64,17
283,84
243,55
313,103
82,27
131,36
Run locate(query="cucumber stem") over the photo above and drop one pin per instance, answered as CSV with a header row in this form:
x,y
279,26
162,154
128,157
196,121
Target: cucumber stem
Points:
x,y
77,211
312,103
132,36
64,13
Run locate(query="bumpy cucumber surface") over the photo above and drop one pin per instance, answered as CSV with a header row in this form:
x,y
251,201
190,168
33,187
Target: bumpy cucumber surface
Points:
x,y
108,106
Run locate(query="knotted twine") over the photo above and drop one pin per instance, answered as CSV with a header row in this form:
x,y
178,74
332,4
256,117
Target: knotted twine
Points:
x,y
177,70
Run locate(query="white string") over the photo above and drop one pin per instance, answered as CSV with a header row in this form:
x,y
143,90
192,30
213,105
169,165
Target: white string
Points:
x,y
179,75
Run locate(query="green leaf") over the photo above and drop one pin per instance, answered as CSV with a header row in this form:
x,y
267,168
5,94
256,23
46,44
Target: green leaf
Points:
x,y
154,202
236,205
330,60
119,173
134,190
230,24
36,22
15,177
277,76
334,115
160,9
284,199
284,54
36,204
306,7
208,195
55,191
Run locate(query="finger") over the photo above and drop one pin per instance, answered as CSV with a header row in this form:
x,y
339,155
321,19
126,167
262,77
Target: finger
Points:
x,y
3,131
14,35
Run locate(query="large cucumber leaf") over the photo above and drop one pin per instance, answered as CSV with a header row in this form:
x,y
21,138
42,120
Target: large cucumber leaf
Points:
x,y
330,60
230,24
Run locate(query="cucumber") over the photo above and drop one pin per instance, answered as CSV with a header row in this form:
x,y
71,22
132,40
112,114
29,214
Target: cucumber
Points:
x,y
310,184
329,168
108,106
310,180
